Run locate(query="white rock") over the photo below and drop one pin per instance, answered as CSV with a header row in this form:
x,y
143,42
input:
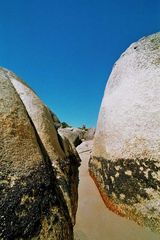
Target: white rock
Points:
x,y
128,133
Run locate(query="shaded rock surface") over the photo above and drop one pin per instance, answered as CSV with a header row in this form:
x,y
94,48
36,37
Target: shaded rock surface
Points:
x,y
38,169
93,220
125,162
74,135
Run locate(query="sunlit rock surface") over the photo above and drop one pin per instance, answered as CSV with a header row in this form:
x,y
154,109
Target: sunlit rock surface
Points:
x,y
38,169
125,162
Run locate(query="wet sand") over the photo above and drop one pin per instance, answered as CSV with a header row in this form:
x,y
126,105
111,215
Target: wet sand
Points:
x,y
94,220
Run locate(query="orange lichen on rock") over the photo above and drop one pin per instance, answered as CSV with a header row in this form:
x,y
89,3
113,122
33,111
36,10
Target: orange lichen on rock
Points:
x,y
109,204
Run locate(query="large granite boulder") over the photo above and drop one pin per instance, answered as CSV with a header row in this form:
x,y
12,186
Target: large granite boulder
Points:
x,y
125,161
38,169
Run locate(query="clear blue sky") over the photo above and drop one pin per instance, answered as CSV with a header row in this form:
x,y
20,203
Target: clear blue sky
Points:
x,y
65,49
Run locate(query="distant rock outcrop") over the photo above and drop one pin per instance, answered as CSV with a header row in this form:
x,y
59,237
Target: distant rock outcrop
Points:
x,y
125,162
77,135
74,135
89,134
38,169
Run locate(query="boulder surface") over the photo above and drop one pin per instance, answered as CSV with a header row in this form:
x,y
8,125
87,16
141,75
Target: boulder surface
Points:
x,y
74,135
38,169
89,134
125,162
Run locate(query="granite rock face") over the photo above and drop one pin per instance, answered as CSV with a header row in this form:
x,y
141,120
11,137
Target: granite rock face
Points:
x,y
89,134
38,169
125,161
56,120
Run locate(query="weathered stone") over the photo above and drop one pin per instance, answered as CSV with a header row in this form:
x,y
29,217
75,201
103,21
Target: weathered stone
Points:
x,y
56,120
74,135
38,169
125,162
89,134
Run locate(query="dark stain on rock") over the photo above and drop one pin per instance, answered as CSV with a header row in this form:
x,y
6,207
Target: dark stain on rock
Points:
x,y
24,205
127,178
19,218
